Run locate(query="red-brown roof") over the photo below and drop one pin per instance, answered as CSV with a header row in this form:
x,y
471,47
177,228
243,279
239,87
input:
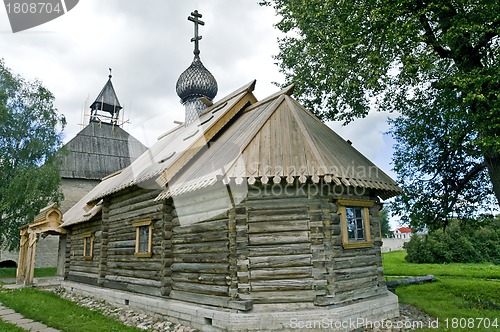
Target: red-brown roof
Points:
x,y
404,229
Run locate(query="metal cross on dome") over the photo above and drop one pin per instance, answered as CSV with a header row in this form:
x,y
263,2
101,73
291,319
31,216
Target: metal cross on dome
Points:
x,y
195,18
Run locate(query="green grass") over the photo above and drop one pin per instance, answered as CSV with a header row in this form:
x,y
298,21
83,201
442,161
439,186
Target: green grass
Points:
x,y
467,293
10,272
54,311
396,265
8,327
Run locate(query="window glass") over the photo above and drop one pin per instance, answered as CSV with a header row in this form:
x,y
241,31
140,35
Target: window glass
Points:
x,y
355,224
143,239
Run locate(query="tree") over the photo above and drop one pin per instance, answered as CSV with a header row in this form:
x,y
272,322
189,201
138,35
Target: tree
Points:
x,y
409,56
385,228
30,136
441,172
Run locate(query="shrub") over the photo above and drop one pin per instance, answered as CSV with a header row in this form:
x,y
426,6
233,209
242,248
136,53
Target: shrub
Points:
x,y
462,243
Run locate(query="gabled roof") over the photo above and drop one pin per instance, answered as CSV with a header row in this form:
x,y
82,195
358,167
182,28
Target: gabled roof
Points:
x,y
245,140
175,149
99,150
404,229
277,138
107,99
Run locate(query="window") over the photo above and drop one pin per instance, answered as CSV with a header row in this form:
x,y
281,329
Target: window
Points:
x,y
88,245
143,238
355,223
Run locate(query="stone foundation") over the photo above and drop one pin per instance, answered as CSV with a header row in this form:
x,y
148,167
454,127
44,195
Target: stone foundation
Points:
x,y
284,317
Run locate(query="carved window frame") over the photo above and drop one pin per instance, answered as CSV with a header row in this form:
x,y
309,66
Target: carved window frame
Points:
x,y
138,226
364,205
88,245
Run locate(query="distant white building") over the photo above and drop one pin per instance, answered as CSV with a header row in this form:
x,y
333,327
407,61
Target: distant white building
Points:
x,y
403,233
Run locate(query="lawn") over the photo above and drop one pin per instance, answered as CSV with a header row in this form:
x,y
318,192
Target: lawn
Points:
x,y
465,295
10,272
51,310
7,327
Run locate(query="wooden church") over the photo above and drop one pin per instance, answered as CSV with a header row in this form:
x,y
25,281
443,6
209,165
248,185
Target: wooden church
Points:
x,y
251,215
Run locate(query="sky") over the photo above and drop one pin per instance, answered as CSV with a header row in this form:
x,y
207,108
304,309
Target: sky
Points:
x,y
147,45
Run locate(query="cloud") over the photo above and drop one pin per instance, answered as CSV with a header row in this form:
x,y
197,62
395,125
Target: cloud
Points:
x,y
147,44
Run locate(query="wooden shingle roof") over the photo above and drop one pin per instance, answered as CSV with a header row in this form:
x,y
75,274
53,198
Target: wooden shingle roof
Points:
x,y
241,139
98,150
278,139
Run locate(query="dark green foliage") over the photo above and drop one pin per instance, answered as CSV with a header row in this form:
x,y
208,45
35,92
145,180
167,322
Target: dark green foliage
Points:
x,y
436,63
461,243
384,223
440,168
30,135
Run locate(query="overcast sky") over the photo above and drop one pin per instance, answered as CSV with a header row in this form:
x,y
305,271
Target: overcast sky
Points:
x,y
147,45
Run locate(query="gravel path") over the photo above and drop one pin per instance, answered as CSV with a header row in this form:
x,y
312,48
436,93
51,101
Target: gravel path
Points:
x,y
410,317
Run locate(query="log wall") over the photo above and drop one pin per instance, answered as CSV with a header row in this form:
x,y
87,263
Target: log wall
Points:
x,y
274,247
352,274
122,269
202,255
77,267
275,258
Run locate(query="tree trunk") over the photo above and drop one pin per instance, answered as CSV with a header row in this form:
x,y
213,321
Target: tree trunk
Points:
x,y
493,163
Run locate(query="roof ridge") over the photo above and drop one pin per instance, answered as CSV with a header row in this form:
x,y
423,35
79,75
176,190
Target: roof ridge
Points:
x,y
288,90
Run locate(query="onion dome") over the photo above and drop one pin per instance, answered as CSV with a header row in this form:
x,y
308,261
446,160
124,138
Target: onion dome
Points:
x,y
195,82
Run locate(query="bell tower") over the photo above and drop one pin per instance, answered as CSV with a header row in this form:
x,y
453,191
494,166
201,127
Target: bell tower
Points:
x,y
106,108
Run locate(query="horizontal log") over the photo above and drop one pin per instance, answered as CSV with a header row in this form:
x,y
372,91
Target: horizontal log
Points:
x,y
190,219
216,225
282,273
411,281
282,285
358,294
353,262
120,251
270,217
141,274
91,269
202,278
201,258
280,249
279,261
354,283
137,281
200,267
121,244
201,288
358,272
133,207
82,274
278,226
281,238
271,210
147,212
359,252
196,238
135,265
211,247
